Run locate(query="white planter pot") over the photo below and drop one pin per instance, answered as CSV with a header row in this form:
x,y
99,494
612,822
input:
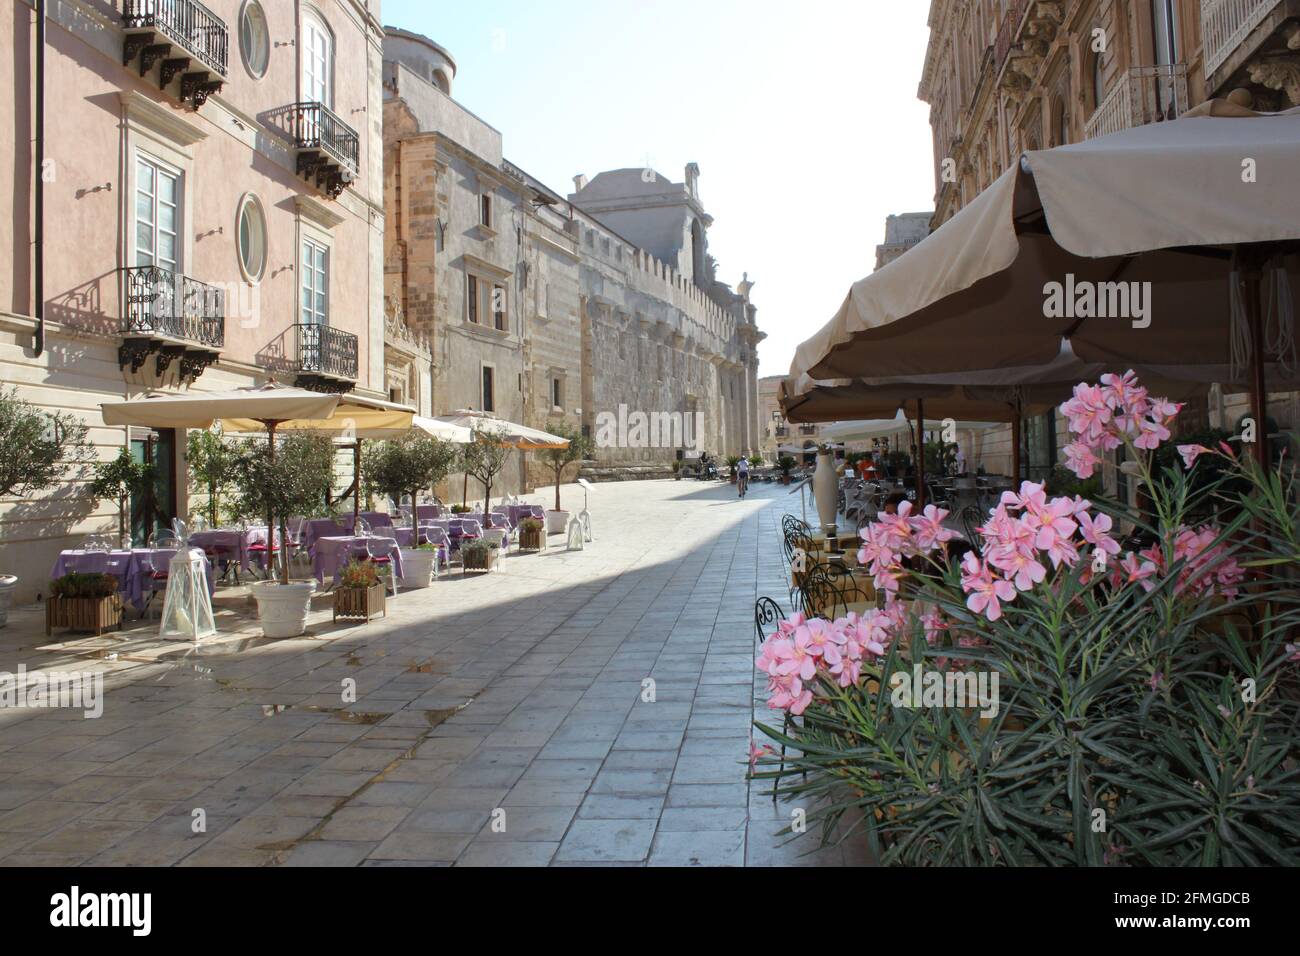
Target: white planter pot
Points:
x,y
825,490
7,583
557,522
417,568
283,608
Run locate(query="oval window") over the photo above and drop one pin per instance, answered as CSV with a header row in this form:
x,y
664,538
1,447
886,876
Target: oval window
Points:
x,y
254,38
252,238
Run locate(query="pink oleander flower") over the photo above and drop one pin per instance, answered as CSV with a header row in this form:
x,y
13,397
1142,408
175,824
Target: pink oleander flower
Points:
x,y
1135,570
1018,564
1150,435
986,592
1088,411
928,529
1096,531
1293,653
824,640
1124,392
796,657
1081,459
849,671
775,649
757,751
789,693
1191,452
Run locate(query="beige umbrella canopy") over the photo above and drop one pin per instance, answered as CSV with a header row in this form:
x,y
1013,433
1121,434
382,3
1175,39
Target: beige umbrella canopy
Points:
x,y
1201,208
516,436
277,403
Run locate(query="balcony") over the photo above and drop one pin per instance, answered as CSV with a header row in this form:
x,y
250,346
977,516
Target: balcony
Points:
x,y
328,148
179,34
1147,94
1225,25
173,318
327,358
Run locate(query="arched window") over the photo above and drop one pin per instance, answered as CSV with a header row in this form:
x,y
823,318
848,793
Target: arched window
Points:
x,y
1097,80
1060,132
317,60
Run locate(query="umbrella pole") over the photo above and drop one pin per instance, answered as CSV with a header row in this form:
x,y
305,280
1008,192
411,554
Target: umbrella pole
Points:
x,y
1250,279
1015,445
920,454
356,484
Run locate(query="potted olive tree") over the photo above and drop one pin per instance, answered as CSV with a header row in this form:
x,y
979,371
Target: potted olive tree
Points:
x,y
484,458
579,447
293,480
786,464
36,449
211,464
119,479
402,468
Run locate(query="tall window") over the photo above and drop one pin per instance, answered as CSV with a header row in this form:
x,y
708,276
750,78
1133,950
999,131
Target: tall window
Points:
x,y
315,283
485,209
499,308
557,392
157,215
471,298
489,389
317,61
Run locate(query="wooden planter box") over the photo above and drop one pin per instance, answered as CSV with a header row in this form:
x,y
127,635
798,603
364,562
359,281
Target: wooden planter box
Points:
x,y
485,563
84,613
360,604
532,540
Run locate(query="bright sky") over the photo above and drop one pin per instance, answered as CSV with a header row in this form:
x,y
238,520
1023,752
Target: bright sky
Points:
x,y
803,118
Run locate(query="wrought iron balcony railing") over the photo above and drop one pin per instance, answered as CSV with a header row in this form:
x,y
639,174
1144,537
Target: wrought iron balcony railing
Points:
x,y
169,305
180,33
328,148
1143,95
172,317
327,352
1225,25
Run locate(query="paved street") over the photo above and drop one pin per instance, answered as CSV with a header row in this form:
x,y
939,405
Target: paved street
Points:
x,y
498,719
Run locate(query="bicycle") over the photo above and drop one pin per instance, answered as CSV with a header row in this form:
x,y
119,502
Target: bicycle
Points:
x,y
742,484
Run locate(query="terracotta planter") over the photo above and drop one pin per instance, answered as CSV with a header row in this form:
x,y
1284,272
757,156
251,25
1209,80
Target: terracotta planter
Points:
x,y
96,614
532,540
360,603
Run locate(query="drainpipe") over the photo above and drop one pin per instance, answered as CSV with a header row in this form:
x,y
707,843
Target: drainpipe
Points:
x,y
38,265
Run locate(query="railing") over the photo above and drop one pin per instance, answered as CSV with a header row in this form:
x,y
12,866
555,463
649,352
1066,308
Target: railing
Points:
x,y
316,126
1225,24
1007,34
1143,95
326,351
186,22
163,303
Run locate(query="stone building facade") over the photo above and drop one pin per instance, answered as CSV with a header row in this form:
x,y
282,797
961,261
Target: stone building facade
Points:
x,y
1006,76
213,218
592,308
902,232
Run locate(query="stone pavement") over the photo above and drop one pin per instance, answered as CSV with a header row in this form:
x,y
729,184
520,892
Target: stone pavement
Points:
x,y
498,720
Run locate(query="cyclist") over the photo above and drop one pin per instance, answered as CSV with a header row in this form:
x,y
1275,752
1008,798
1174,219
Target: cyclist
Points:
x,y
742,476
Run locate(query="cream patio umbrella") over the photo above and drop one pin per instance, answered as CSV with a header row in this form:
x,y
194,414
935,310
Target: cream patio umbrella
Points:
x,y
1171,246
270,406
508,433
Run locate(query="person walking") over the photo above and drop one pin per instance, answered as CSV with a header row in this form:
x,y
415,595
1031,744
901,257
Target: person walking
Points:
x,y
742,476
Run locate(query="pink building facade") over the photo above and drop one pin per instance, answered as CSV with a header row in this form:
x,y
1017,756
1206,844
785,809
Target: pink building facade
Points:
x,y
212,182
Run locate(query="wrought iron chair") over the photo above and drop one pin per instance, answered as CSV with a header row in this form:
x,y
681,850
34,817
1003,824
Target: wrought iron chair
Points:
x,y
819,593
767,613
971,518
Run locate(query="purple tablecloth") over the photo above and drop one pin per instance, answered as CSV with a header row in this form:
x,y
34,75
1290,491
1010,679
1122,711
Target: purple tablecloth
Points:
x,y
427,512
133,569
332,553
320,528
232,543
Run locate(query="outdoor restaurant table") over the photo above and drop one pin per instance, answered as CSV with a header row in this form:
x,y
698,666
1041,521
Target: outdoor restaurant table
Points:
x,y
234,541
129,567
331,554
841,542
319,528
